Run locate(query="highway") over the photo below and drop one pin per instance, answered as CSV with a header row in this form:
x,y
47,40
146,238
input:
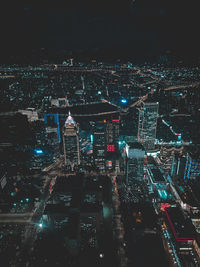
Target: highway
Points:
x,y
15,217
177,87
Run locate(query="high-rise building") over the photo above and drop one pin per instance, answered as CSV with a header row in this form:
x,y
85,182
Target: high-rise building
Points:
x,y
192,167
112,131
148,114
112,146
105,142
71,143
99,145
134,162
51,120
53,133
167,156
178,166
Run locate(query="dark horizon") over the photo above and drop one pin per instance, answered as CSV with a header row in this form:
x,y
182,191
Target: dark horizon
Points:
x,y
135,30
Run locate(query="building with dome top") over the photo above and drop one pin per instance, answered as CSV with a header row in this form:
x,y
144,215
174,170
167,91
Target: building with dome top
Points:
x,y
71,145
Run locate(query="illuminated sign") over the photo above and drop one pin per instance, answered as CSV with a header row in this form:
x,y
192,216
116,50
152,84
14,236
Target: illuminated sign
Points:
x,y
109,164
111,148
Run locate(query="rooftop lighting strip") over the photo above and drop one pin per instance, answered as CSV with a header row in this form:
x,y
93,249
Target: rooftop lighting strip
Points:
x,y
179,239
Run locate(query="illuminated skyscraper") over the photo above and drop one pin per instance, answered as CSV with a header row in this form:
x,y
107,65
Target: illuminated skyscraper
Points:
x,y
112,131
192,167
53,133
99,145
71,143
134,162
105,145
112,139
148,114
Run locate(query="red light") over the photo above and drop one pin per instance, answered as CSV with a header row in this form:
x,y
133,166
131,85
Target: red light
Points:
x,y
110,148
146,161
116,120
164,206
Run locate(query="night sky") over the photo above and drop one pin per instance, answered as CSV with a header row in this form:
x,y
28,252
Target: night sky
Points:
x,y
123,28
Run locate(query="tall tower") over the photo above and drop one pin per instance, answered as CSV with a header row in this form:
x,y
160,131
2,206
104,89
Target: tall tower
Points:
x,y
112,131
99,145
134,162
53,133
71,143
148,114
112,138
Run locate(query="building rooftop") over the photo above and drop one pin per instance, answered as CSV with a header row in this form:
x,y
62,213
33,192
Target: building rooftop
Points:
x,y
135,145
157,175
91,207
73,226
56,209
187,196
182,228
195,155
67,184
195,186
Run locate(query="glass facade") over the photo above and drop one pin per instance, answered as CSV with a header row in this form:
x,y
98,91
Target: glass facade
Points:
x,y
147,124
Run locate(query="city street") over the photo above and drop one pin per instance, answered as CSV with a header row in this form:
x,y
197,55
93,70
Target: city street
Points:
x,y
33,227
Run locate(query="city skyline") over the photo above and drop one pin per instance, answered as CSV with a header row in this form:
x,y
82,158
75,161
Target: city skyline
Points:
x,y
99,139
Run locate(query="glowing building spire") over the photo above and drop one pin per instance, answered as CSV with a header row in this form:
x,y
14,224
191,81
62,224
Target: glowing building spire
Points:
x,y
69,120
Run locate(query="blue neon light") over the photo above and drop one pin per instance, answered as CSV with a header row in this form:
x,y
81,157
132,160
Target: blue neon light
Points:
x,y
38,151
91,138
124,101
